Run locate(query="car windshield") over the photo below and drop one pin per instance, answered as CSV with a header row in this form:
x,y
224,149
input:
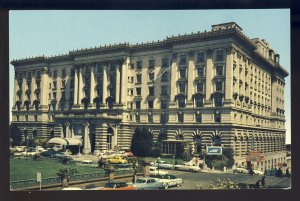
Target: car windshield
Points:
x,y
164,176
172,177
110,185
141,181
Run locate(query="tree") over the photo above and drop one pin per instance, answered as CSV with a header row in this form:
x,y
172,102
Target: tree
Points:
x,y
229,153
65,174
142,142
15,134
159,143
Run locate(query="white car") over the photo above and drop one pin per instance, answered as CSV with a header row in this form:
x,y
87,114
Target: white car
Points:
x,y
187,168
169,180
156,171
20,148
240,169
258,172
88,163
40,149
162,164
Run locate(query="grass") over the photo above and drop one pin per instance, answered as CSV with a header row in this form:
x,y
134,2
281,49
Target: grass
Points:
x,y
21,169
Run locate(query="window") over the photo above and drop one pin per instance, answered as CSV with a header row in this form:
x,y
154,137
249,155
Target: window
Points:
x,y
38,74
219,70
182,87
199,101
200,57
151,77
130,79
163,104
139,64
99,68
200,87
200,72
139,78
137,118
72,72
138,91
54,84
151,91
163,118
64,73
55,73
132,66
198,118
217,118
72,83
182,60
63,94
165,62
219,86
54,95
130,92
151,63
150,118
216,141
180,118
164,90
218,100
181,102
138,104
29,76
63,84
112,78
150,104
182,73
220,55
165,77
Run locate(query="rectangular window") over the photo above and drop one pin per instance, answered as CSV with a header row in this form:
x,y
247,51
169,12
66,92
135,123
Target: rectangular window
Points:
x,y
63,73
200,72
130,92
151,63
38,74
219,86
182,73
220,55
130,79
72,83
200,57
219,70
151,91
139,78
138,91
112,78
29,76
132,66
199,102
139,64
137,118
163,118
164,90
165,77
198,118
150,118
218,118
165,62
63,84
180,118
151,77
99,68
63,94
182,60
72,72
54,84
182,87
150,104
54,95
181,102
138,104
55,73
164,104
200,87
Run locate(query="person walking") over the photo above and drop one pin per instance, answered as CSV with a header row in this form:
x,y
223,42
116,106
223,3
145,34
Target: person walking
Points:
x,y
263,181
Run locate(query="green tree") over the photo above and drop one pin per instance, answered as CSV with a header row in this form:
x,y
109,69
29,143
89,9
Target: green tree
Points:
x,y
229,154
142,142
65,174
159,143
15,134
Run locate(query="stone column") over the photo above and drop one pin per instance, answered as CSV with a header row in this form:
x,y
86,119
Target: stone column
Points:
x,y
190,78
80,87
229,77
174,78
68,134
44,88
76,86
87,142
32,88
118,83
123,81
104,83
92,87
15,91
209,76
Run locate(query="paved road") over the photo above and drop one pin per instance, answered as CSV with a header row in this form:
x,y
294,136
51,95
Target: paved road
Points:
x,y
202,180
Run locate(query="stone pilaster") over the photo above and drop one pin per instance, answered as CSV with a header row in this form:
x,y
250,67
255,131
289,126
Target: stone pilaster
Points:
x,y
123,89
80,86
105,83
209,77
228,78
44,88
87,142
118,78
93,84
174,78
76,86
191,77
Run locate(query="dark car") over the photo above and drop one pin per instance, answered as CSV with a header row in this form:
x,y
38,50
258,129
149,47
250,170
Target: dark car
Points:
x,y
49,153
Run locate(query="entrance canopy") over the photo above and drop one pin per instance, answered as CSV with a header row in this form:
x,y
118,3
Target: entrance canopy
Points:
x,y
65,141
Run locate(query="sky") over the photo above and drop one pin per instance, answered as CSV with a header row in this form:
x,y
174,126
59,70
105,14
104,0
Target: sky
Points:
x,y
36,33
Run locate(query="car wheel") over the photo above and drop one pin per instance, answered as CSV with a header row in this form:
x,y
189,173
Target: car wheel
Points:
x,y
166,186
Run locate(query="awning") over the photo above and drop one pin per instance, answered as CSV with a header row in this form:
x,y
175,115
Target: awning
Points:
x,y
65,141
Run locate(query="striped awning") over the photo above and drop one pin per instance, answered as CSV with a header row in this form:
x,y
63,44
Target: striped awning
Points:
x,y
65,141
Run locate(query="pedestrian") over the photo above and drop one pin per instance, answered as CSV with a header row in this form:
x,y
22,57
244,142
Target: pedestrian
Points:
x,y
263,181
256,185
287,172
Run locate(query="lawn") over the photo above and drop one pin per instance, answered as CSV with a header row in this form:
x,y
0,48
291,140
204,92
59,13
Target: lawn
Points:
x,y
21,169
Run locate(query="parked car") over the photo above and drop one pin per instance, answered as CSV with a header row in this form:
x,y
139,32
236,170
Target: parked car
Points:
x,y
162,164
71,189
187,168
88,163
258,172
49,153
240,169
118,186
107,154
117,159
20,148
156,171
148,183
169,180
40,149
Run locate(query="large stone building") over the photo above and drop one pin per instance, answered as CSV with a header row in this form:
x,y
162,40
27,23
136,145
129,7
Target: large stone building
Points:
x,y
215,87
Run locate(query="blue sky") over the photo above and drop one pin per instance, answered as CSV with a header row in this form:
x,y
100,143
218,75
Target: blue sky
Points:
x,y
34,33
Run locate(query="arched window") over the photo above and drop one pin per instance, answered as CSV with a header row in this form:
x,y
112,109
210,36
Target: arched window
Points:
x,y
216,141
179,137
